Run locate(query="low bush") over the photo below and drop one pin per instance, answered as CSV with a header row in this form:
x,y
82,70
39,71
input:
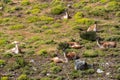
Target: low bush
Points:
x,y
113,6
63,46
4,78
85,21
25,2
98,11
91,36
3,42
90,53
78,15
32,19
7,55
79,4
117,14
2,63
46,18
50,31
55,69
16,27
42,52
45,78
93,53
57,10
6,1
34,11
23,77
75,74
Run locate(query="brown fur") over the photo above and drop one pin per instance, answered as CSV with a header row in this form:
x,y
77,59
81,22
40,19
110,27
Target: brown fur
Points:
x,y
74,45
109,44
71,55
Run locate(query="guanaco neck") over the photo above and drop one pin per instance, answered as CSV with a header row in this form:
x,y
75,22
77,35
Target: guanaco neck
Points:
x,y
65,56
98,43
16,49
95,28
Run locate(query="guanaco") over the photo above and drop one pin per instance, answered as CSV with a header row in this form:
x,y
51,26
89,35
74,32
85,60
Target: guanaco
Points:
x,y
70,56
66,16
92,28
108,44
75,45
16,49
57,60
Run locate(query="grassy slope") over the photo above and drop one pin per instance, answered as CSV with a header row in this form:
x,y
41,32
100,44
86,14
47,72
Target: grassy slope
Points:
x,y
45,35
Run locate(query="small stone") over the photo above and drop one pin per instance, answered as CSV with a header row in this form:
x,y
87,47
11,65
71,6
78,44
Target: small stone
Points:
x,y
32,61
35,69
108,73
99,71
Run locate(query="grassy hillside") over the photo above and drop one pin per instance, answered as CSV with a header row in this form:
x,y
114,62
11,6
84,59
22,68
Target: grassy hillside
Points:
x,y
39,27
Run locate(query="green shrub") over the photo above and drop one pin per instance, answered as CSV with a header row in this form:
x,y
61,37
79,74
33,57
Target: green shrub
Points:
x,y
43,5
23,77
50,31
117,76
98,11
88,71
4,78
6,1
113,38
93,1
45,78
3,42
78,15
17,27
33,19
34,11
21,62
117,14
42,52
25,2
7,55
87,8
57,9
55,69
103,1
34,38
90,53
46,18
2,63
56,25
79,4
63,46
85,21
113,6
93,53
91,36
75,74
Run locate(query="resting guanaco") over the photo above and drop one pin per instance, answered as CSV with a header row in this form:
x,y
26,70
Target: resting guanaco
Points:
x,y
57,60
16,49
75,45
108,44
70,56
92,28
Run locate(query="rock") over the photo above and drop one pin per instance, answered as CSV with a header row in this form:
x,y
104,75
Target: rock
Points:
x,y
99,71
80,65
108,73
32,61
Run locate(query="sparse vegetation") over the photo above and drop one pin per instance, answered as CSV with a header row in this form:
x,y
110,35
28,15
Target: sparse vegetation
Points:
x,y
43,35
